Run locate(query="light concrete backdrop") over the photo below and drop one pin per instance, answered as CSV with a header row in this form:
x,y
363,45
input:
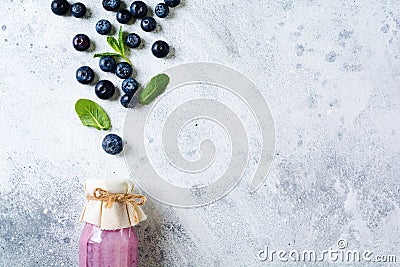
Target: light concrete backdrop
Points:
x,y
330,71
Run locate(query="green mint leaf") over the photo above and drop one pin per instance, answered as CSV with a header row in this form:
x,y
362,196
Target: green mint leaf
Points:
x,y
153,89
92,115
107,54
121,40
114,44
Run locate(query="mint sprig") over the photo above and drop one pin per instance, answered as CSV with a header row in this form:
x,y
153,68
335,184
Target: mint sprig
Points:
x,y
117,45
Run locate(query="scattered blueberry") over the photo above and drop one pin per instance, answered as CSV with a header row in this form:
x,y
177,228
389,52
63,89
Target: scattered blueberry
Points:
x,y
148,24
133,40
78,10
124,70
81,42
161,10
172,3
104,89
111,5
130,86
107,64
84,75
60,7
112,144
138,9
160,49
125,100
103,27
123,16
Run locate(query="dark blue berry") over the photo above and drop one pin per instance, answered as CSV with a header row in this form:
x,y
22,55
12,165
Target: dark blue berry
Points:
x,y
138,9
107,64
111,5
124,70
78,10
60,7
104,89
84,75
133,40
112,144
160,49
126,101
148,24
103,27
123,16
81,42
130,86
161,10
172,3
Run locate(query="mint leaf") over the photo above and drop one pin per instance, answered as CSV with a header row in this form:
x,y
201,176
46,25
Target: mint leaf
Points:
x,y
107,54
121,40
114,44
154,88
92,115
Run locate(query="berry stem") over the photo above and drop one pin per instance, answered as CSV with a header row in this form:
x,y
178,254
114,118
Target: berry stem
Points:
x,y
126,59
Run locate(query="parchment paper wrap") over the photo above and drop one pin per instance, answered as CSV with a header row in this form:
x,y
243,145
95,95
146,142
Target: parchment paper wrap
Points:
x,y
120,215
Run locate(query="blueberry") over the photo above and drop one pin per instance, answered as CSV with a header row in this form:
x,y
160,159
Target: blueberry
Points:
x,y
133,40
172,3
124,70
148,24
103,27
126,101
130,86
161,10
78,10
60,7
111,5
123,16
84,75
104,89
160,49
112,144
81,42
107,64
138,9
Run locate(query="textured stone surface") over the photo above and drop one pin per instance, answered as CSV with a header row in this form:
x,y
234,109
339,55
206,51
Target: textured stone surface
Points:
x,y
330,71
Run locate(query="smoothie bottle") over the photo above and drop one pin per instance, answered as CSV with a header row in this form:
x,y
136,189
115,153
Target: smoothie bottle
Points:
x,y
109,238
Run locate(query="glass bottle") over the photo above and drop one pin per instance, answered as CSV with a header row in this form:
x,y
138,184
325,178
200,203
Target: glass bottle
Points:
x,y
109,238
100,248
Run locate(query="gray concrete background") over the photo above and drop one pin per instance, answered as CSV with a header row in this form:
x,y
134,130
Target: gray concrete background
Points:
x,y
329,71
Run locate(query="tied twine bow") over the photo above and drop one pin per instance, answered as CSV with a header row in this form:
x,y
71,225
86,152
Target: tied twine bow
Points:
x,y
131,200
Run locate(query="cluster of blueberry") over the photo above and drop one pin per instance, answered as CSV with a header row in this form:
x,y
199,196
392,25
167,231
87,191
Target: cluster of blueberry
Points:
x,y
138,10
61,8
105,89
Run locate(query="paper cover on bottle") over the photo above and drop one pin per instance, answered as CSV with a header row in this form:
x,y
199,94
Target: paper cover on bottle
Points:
x,y
119,215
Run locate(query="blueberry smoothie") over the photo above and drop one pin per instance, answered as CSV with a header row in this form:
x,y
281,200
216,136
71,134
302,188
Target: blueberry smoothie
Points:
x,y
111,212
103,248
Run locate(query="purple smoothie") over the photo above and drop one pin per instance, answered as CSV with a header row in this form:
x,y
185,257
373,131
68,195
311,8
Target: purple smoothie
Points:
x,y
108,248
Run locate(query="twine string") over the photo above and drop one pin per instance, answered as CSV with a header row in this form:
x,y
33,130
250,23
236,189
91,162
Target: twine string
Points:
x,y
131,200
